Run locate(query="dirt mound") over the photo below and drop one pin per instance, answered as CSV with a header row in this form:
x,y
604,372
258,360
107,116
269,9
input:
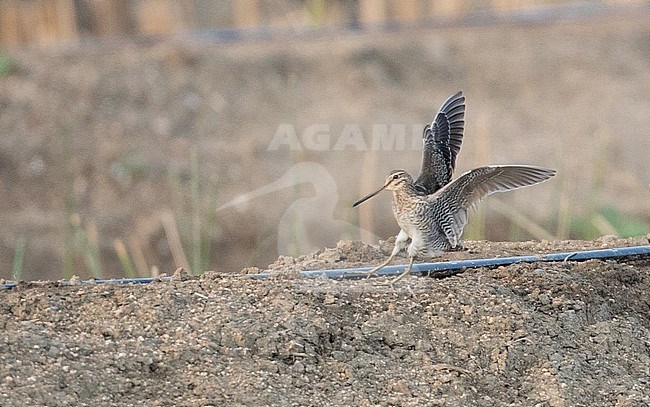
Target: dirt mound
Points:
x,y
554,334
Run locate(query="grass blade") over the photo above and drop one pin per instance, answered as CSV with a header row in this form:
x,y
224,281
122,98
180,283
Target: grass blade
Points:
x,y
174,239
125,260
196,214
19,257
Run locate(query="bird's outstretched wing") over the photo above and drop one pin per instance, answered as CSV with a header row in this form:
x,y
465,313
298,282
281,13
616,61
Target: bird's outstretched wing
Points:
x,y
450,206
442,141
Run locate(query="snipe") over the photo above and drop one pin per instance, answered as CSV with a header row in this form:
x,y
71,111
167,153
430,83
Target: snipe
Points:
x,y
432,212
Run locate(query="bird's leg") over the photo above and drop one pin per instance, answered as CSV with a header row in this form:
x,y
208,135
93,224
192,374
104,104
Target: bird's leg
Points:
x,y
382,265
400,244
405,273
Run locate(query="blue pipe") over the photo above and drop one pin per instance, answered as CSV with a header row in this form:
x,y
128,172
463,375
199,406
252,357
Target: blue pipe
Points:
x,y
431,269
425,269
143,280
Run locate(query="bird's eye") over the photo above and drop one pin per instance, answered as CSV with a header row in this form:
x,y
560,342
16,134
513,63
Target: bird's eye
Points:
x,y
395,176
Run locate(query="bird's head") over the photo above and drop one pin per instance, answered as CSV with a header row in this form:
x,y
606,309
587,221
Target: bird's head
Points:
x,y
396,180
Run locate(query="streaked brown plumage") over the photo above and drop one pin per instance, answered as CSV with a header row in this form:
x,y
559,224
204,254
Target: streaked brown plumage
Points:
x,y
432,223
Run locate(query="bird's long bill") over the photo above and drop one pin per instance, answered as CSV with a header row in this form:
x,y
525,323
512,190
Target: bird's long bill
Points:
x,y
365,198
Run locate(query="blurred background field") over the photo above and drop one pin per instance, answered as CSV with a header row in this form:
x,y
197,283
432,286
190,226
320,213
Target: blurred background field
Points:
x,y
137,136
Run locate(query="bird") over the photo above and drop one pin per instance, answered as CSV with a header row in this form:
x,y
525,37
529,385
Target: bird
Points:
x,y
432,224
432,211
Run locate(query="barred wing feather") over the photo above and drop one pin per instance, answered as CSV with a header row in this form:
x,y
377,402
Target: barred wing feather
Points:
x,y
450,205
442,141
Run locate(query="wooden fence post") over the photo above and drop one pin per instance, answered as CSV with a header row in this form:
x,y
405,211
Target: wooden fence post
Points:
x,y
163,16
108,17
405,10
448,8
246,13
9,22
372,11
41,22
57,19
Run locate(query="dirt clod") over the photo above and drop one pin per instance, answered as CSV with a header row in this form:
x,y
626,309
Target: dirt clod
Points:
x,y
180,275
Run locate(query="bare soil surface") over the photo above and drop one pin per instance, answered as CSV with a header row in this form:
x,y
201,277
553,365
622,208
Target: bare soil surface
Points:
x,y
529,334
